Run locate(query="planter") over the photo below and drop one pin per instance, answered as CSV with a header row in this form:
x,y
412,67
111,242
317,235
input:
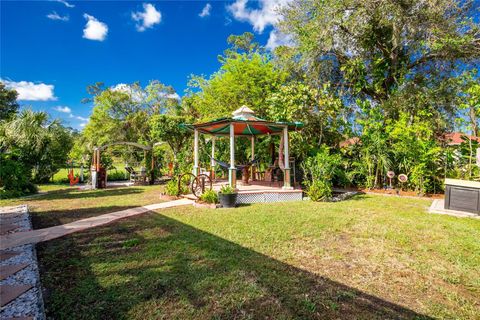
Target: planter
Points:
x,y
227,200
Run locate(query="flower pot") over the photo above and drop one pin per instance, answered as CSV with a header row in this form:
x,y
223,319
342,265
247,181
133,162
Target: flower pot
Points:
x,y
227,200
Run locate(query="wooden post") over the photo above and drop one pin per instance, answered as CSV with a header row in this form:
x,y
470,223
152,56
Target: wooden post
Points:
x,y
212,161
232,173
286,174
98,160
195,153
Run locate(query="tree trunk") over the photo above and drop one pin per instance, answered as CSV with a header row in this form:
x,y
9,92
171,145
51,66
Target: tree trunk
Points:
x,y
474,121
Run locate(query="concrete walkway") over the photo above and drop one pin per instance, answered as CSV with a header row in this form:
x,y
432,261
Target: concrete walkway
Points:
x,y
34,236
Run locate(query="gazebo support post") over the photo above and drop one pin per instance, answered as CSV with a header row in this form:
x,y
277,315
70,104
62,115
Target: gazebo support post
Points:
x,y
98,160
212,161
286,174
232,173
252,167
195,154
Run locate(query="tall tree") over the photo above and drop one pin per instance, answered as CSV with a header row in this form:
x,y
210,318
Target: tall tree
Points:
x,y
8,102
373,48
247,77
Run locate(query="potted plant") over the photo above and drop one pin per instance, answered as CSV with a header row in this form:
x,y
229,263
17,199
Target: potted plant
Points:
x,y
227,196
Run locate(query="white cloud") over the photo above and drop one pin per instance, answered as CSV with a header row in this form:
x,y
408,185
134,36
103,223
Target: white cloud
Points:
x,y
31,91
55,16
138,95
148,18
205,11
173,96
68,5
266,15
63,109
277,38
83,124
82,118
94,29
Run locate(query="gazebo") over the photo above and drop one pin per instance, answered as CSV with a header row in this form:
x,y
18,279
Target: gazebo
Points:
x,y
244,123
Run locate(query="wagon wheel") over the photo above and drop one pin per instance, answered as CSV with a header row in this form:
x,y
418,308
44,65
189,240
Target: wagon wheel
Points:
x,y
201,184
184,183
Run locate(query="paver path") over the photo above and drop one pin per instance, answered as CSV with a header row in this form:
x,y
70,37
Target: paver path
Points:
x,y
20,238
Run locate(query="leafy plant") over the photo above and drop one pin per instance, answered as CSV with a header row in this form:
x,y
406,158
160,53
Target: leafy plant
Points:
x,y
319,190
320,170
171,188
226,189
209,196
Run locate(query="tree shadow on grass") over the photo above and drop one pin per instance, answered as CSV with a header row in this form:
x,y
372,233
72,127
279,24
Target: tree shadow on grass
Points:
x,y
75,193
155,267
45,219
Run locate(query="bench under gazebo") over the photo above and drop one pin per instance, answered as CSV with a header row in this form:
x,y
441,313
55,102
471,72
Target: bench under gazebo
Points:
x,y
244,123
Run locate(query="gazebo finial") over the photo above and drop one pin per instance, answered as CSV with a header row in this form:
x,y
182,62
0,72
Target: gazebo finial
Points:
x,y
243,111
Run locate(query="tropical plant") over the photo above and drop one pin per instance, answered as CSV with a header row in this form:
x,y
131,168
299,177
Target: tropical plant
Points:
x,y
209,196
226,189
320,170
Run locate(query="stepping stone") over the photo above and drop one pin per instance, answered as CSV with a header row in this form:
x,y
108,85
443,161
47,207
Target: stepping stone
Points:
x,y
9,293
7,227
5,255
20,318
8,270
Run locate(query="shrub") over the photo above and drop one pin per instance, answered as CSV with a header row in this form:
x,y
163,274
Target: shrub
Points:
x,y
320,170
226,189
171,188
116,175
319,190
14,178
209,196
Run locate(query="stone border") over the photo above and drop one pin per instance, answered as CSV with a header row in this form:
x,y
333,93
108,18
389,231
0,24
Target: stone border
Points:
x,y
30,303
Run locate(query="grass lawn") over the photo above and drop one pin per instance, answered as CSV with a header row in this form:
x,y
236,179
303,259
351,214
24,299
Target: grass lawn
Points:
x,y
369,257
63,204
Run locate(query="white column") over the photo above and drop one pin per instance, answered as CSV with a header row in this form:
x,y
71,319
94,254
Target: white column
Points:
x,y
232,174
286,172
285,148
195,153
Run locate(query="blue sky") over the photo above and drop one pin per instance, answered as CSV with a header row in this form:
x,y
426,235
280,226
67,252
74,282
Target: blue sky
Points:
x,y
51,50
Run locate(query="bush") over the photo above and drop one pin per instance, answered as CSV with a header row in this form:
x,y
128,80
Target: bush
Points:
x,y
320,170
319,190
226,189
209,196
171,188
116,175
14,178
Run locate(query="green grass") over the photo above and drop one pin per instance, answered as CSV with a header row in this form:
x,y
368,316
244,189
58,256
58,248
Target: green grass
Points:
x,y
369,257
63,204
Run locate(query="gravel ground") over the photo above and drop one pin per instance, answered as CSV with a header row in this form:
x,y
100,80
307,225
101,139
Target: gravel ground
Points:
x,y
30,303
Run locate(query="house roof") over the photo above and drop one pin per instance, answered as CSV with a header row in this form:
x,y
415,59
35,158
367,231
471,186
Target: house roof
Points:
x,y
455,138
349,142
